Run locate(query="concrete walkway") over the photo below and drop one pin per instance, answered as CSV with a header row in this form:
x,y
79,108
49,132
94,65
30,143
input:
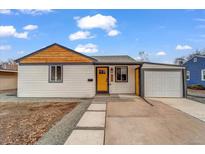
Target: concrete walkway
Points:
x,y
137,122
188,106
90,128
131,120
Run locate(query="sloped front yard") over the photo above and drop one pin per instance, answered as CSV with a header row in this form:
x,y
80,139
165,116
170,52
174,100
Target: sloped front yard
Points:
x,y
25,123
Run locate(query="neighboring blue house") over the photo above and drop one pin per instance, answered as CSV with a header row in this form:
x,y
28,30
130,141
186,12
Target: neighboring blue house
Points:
x,y
195,70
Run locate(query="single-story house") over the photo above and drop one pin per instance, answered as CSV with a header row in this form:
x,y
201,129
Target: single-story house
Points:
x,y
57,71
8,79
195,70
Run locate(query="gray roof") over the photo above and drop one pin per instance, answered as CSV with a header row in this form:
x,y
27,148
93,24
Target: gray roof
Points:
x,y
114,59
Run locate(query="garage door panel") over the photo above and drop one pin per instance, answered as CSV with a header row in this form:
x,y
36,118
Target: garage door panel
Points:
x,y
163,83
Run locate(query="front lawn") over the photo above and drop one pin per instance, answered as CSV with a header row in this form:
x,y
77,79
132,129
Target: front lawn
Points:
x,y
25,123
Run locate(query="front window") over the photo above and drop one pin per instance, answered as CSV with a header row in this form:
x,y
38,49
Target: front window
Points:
x,y
203,75
188,75
121,74
195,60
56,73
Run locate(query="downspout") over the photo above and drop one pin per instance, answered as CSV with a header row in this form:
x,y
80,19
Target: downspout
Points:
x,y
184,82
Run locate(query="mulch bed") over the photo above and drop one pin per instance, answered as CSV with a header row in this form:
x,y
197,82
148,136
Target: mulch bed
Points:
x,y
25,123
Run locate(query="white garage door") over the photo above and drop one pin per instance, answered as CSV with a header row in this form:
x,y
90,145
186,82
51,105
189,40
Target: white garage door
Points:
x,y
163,84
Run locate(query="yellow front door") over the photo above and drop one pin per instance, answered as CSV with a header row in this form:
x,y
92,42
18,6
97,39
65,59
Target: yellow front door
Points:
x,y
102,79
137,83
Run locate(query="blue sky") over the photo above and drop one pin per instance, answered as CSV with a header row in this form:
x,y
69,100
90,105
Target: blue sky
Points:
x,y
162,34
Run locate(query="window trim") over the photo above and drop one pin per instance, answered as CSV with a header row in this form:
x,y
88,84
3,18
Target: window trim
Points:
x,y
202,75
49,73
195,59
188,75
116,73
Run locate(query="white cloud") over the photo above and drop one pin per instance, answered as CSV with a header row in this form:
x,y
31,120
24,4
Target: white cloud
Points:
x,y
35,11
10,31
113,32
200,19
76,17
20,52
200,26
80,35
196,40
5,11
183,47
168,62
97,21
87,48
30,27
138,58
6,31
5,47
23,35
107,23
161,53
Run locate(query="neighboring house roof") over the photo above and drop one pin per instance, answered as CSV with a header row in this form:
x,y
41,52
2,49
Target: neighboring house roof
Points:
x,y
9,71
114,59
201,56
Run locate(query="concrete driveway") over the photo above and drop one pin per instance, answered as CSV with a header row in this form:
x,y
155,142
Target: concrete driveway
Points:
x,y
137,122
188,106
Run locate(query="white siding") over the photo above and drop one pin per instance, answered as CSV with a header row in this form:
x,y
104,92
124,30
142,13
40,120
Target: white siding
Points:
x,y
8,81
33,81
163,83
122,87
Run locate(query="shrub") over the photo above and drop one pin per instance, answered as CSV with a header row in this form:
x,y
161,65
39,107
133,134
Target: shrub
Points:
x,y
196,87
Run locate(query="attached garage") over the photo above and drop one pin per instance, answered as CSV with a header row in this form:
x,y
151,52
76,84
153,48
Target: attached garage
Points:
x,y
163,81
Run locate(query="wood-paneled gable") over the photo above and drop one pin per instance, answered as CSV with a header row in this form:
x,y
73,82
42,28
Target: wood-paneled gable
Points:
x,y
55,54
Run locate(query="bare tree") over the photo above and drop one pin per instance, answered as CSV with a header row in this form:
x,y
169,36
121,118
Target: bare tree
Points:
x,y
143,56
181,60
9,64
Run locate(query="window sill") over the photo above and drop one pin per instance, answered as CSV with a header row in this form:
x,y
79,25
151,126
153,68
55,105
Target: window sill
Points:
x,y
55,82
121,81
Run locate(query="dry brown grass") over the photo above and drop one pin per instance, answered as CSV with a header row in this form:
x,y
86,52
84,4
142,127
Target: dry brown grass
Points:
x,y
25,123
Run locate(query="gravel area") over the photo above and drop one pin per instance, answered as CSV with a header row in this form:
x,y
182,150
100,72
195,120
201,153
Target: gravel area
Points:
x,y
59,133
199,93
196,95
25,123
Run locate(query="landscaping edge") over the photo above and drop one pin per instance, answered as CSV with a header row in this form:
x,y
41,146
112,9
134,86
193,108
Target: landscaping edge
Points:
x,y
59,133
